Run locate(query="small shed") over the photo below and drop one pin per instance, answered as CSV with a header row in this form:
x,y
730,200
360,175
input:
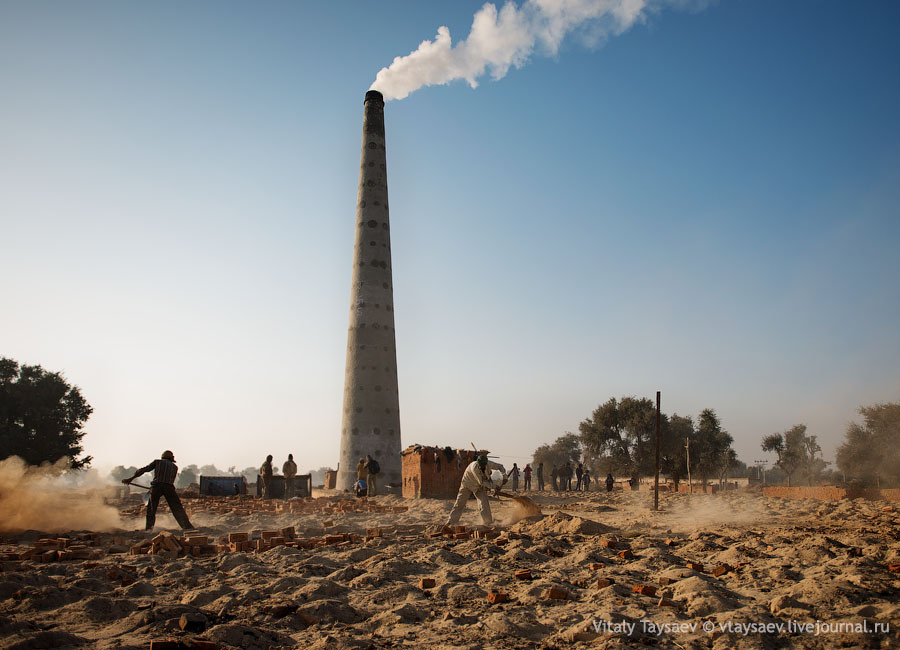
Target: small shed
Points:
x,y
301,485
434,472
222,486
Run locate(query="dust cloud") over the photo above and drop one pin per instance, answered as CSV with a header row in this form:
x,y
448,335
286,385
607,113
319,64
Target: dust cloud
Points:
x,y
50,498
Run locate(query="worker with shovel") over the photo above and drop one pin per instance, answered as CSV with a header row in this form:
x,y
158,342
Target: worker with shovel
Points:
x,y
477,481
163,484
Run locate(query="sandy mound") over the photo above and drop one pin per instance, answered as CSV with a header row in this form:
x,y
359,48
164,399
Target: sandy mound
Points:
x,y
561,523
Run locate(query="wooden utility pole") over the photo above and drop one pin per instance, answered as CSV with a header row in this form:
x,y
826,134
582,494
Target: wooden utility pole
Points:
x,y
687,445
656,480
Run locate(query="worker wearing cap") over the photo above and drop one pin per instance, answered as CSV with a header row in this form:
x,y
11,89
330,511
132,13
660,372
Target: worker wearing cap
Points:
x,y
163,485
477,481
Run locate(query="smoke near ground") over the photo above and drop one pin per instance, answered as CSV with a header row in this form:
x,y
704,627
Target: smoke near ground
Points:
x,y
47,498
500,39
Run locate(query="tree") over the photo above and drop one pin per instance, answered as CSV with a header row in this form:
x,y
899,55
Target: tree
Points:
x,y
187,475
210,470
120,472
795,450
676,431
566,448
873,448
622,432
41,416
711,446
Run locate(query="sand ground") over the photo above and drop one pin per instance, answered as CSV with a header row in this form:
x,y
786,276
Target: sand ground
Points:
x,y
784,564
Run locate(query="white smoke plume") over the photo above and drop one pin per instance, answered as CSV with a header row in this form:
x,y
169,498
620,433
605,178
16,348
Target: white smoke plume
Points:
x,y
501,39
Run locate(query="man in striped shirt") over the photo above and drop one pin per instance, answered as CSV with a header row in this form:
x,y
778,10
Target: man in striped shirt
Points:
x,y
163,485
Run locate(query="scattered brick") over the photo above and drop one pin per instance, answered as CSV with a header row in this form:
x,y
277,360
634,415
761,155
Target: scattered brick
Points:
x,y
696,566
596,566
665,580
604,582
895,568
554,593
427,583
608,543
644,590
721,569
625,555
495,597
523,574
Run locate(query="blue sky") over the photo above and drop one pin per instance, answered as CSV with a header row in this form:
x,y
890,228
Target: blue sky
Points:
x,y
705,205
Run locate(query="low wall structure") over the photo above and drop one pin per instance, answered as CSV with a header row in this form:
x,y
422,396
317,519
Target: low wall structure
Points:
x,y
831,493
432,472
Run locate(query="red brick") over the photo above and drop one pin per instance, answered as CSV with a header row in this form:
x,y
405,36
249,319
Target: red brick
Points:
x,y
164,644
644,590
696,566
238,537
496,597
665,581
596,566
554,593
201,644
604,582
426,583
625,555
523,574
608,543
721,569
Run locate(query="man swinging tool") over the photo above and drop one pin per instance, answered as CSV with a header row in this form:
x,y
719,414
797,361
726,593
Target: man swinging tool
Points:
x,y
164,472
477,481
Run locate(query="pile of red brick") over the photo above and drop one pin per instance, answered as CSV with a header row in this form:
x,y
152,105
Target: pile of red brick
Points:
x,y
80,547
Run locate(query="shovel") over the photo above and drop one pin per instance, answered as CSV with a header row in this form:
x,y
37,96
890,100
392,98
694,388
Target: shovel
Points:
x,y
530,507
144,497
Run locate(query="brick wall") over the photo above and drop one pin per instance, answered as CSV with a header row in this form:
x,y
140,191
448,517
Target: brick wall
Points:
x,y
830,493
426,477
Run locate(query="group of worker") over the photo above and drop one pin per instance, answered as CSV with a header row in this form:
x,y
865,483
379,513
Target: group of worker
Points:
x,y
163,485
367,470
476,481
266,472
561,479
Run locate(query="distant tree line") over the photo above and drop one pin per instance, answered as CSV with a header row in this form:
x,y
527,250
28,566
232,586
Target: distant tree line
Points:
x,y
620,438
868,457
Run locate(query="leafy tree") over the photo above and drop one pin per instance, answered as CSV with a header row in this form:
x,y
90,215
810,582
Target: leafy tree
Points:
x,y
566,448
41,415
795,450
250,474
872,449
120,472
711,446
622,432
676,431
210,470
187,475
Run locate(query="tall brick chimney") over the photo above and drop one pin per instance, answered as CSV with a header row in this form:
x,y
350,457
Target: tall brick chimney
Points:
x,y
371,419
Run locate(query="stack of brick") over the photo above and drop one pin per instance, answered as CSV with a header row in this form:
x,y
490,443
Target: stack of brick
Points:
x,y
432,473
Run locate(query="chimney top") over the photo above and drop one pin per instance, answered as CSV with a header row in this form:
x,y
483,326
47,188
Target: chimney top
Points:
x,y
374,95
